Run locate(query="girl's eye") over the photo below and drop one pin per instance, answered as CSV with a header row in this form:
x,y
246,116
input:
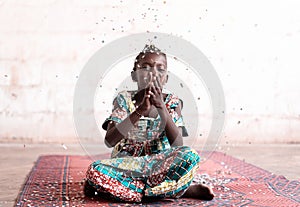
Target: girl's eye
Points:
x,y
146,67
161,69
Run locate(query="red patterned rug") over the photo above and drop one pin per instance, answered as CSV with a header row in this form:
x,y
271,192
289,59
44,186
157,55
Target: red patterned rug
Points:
x,y
58,181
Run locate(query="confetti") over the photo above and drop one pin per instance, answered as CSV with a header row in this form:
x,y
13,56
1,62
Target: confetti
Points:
x,y
64,146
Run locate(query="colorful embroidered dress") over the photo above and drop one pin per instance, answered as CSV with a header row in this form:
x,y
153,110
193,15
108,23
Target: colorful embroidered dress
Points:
x,y
143,163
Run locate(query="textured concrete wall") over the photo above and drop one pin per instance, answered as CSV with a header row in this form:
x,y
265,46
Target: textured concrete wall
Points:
x,y
253,46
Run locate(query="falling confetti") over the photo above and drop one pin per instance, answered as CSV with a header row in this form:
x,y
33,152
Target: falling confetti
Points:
x,y
64,146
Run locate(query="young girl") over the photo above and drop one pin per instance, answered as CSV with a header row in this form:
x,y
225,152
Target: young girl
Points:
x,y
145,130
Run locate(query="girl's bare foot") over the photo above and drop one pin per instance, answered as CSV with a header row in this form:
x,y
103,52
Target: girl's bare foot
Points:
x,y
199,191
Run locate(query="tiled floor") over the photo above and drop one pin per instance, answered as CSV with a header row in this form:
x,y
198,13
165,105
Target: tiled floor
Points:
x,y
18,159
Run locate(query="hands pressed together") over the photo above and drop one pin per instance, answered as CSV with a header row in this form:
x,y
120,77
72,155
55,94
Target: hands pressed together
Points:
x,y
153,96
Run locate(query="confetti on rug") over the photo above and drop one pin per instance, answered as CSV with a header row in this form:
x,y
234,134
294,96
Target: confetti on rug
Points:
x,y
57,180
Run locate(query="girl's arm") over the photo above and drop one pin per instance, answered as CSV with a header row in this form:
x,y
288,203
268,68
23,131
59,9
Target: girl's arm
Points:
x,y
173,132
116,132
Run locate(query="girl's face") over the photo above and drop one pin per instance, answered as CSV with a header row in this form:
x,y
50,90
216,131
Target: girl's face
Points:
x,y
151,66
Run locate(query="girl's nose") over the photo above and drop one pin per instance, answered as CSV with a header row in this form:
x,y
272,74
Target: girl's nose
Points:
x,y
154,71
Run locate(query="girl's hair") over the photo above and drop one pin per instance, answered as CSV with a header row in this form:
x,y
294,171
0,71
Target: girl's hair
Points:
x,y
147,49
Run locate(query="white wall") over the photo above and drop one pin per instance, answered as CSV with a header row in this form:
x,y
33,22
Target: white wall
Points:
x,y
253,46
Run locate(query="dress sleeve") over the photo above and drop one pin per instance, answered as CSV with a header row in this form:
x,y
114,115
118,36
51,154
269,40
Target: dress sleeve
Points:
x,y
120,110
171,104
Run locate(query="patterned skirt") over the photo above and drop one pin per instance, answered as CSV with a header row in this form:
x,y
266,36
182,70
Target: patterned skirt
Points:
x,y
166,174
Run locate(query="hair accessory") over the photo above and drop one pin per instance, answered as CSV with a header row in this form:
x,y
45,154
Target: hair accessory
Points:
x,y
151,48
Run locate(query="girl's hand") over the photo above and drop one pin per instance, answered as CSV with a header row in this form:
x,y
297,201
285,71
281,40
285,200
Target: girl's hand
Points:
x,y
156,96
145,106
